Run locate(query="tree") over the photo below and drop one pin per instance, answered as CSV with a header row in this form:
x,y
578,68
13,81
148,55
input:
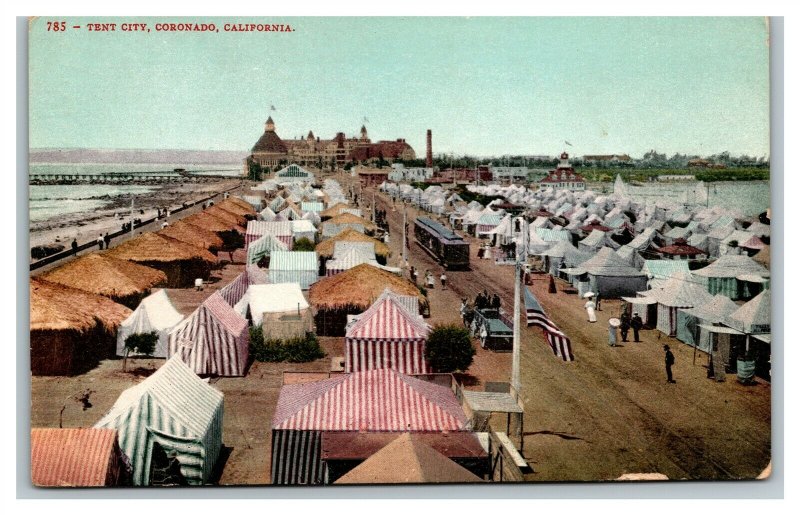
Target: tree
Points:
x,y
139,343
449,348
255,171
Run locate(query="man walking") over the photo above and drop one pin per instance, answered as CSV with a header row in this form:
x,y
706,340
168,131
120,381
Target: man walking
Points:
x,y
624,326
100,241
636,325
669,360
74,246
443,278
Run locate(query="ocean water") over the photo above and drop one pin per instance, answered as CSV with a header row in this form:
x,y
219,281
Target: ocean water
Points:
x,y
46,202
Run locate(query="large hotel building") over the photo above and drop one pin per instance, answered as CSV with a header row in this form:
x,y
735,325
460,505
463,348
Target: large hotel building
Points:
x,y
272,151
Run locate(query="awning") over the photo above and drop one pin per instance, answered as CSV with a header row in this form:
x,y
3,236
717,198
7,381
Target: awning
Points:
x,y
766,338
640,300
494,402
751,278
573,271
719,329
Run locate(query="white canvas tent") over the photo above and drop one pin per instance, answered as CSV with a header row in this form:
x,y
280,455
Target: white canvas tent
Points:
x,y
154,313
279,309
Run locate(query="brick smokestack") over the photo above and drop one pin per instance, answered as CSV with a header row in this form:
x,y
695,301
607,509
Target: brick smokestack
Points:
x,y
429,153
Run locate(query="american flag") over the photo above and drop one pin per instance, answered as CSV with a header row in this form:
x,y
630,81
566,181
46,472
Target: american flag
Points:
x,y
558,341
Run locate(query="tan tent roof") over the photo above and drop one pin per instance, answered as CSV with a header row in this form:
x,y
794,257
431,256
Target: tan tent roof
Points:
x,y
208,222
56,307
155,247
360,286
192,234
103,275
407,460
349,218
237,206
762,256
325,248
226,216
334,210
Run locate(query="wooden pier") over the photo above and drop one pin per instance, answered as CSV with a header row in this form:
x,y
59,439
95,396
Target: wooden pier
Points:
x,y
42,179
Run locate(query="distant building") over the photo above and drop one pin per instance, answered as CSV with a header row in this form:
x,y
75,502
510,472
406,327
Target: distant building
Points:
x,y
400,173
509,173
372,177
564,176
272,151
610,158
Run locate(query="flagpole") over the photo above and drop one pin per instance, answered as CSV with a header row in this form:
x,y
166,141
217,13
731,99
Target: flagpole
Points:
x,y
405,224
515,356
521,256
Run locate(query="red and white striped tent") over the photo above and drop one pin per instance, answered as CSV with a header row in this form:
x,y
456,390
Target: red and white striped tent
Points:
x,y
283,231
214,340
370,401
235,290
387,335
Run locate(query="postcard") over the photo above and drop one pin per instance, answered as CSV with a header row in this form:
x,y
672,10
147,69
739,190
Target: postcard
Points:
x,y
325,251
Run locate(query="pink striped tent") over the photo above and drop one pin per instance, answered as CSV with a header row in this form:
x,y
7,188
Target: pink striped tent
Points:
x,y
282,230
235,290
214,340
370,401
387,335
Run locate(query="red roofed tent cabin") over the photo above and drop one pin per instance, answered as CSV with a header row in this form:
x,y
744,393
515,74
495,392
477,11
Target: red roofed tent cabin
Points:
x,y
213,341
374,401
387,335
78,457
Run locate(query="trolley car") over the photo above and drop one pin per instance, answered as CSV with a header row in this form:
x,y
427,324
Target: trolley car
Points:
x,y
448,248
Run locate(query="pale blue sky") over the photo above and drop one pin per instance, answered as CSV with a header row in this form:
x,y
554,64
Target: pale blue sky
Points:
x,y
485,86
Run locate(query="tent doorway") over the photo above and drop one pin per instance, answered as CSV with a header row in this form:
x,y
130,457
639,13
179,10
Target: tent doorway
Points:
x,y
165,469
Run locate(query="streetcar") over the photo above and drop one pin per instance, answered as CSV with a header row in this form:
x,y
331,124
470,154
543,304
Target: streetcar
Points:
x,y
448,248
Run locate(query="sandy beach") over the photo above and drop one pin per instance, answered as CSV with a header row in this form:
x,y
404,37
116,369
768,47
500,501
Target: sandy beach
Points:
x,y
87,226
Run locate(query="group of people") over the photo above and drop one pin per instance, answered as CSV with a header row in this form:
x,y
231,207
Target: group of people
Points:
x,y
380,219
430,280
485,301
102,240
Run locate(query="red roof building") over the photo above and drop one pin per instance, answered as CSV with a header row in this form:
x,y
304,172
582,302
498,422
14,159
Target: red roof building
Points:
x,y
272,151
564,176
382,400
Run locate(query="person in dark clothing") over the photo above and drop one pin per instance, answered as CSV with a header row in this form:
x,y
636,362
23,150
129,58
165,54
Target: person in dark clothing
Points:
x,y
480,301
551,287
495,302
597,302
106,239
636,325
624,326
669,360
74,246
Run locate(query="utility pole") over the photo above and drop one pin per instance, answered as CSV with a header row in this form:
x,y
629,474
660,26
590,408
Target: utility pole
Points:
x,y
522,255
405,225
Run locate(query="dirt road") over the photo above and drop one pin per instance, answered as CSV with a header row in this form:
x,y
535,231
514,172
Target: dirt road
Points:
x,y
611,411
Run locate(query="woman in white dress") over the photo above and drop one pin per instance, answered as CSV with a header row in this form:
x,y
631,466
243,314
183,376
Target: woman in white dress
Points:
x,y
590,310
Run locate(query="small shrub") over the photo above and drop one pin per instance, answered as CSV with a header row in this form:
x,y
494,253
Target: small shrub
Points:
x,y
139,343
142,343
303,245
449,348
294,350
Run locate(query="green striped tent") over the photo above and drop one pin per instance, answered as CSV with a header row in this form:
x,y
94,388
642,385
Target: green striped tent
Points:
x,y
175,409
722,276
263,246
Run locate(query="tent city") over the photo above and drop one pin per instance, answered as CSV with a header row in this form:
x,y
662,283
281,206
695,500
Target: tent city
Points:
x,y
516,275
